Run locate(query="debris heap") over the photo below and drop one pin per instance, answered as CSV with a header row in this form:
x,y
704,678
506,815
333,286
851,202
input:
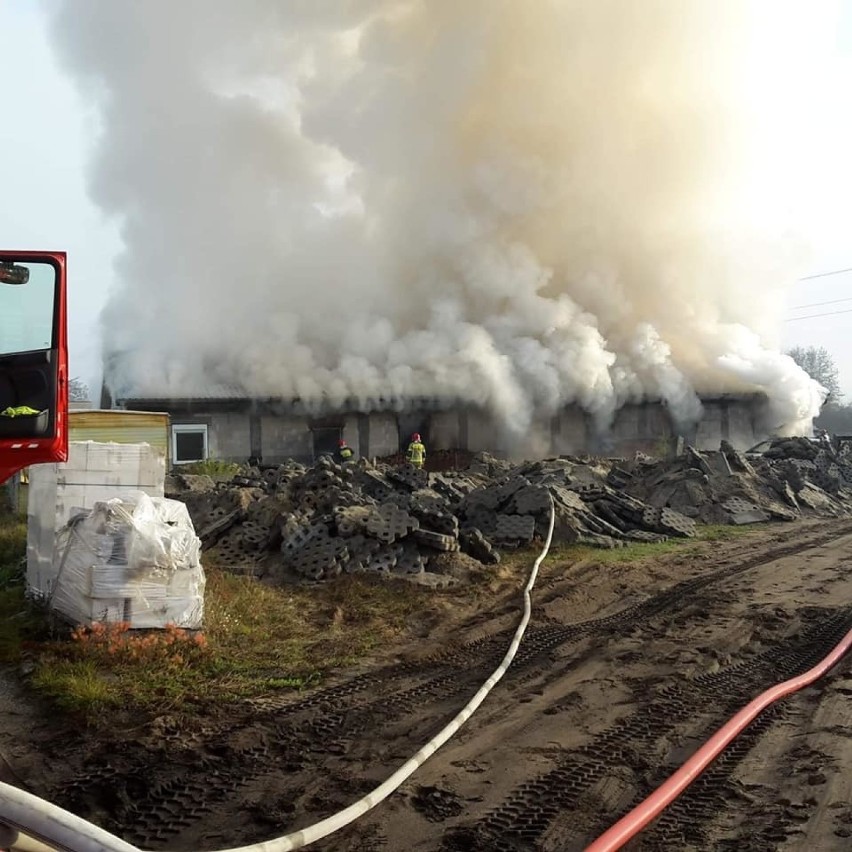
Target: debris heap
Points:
x,y
294,522
791,478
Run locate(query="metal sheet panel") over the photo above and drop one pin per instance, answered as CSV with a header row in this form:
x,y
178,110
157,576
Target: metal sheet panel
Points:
x,y
121,427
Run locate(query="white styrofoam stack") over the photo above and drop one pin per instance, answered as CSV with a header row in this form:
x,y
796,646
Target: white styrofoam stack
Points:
x,y
94,472
133,560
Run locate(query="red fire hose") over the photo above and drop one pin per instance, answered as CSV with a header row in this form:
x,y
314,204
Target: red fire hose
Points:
x,y
649,809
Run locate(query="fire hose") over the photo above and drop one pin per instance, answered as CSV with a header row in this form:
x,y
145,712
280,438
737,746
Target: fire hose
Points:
x,y
650,808
40,820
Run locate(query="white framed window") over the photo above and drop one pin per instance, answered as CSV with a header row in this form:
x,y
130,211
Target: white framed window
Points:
x,y
189,442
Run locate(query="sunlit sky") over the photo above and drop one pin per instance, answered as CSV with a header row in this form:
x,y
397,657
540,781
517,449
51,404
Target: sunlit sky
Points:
x,y
47,131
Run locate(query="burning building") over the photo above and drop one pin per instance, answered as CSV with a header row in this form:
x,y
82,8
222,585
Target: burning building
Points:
x,y
548,213
225,424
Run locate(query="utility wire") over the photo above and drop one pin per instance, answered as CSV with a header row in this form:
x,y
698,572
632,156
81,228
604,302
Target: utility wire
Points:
x,y
820,304
826,274
814,316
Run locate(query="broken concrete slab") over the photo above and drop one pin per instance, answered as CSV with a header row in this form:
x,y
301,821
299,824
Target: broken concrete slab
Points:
x,y
753,516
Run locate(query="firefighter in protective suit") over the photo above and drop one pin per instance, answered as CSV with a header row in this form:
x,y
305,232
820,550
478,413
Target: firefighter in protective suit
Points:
x,y
416,452
344,452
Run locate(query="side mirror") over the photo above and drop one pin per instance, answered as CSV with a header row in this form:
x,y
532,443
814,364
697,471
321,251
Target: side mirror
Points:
x,y
12,273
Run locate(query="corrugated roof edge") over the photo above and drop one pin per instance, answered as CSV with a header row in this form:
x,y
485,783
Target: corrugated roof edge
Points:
x,y
320,406
312,406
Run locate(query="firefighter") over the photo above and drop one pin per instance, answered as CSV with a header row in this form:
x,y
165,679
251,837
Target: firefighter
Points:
x,y
344,452
416,452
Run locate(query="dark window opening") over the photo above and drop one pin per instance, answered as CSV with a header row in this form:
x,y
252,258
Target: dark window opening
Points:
x,y
190,443
325,440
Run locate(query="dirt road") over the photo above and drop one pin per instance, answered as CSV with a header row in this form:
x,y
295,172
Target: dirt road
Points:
x,y
624,670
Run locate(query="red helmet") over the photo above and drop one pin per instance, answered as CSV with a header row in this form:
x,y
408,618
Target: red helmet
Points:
x,y
415,436
341,443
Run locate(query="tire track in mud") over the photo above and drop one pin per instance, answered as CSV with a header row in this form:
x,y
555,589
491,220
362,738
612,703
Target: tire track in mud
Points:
x,y
200,774
687,820
615,758
721,812
538,639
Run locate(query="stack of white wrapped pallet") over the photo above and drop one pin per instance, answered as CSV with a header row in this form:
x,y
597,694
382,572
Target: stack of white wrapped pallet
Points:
x,y
133,560
93,473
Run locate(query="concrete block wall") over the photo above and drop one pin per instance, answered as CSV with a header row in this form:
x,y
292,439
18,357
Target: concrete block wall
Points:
x,y
709,432
229,436
730,420
238,434
351,431
480,432
645,427
286,437
570,432
445,430
741,425
228,433
383,438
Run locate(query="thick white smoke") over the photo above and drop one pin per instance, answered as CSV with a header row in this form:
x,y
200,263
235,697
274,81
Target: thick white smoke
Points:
x,y
523,204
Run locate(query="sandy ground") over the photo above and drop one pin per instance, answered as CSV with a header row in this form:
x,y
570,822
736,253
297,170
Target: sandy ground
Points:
x,y
625,670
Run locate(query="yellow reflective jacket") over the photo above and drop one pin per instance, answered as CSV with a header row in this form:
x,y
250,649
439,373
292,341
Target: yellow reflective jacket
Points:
x,y
20,411
416,453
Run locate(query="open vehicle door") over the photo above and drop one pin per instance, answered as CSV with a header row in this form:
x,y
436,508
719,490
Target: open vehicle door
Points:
x,y
33,360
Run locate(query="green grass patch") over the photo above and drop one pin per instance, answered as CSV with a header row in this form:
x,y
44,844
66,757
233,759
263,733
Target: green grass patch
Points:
x,y
19,620
21,624
726,532
210,467
640,551
257,639
13,549
76,684
635,552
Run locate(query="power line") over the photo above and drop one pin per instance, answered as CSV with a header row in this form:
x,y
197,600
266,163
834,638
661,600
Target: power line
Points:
x,y
814,316
826,274
820,304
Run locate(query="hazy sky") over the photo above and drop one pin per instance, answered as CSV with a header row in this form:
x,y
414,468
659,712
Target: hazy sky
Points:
x,y
47,130
44,140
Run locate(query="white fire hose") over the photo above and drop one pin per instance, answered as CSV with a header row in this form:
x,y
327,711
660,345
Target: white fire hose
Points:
x,y
38,820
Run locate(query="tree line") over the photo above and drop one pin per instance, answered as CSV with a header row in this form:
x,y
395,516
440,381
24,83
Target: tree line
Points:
x,y
818,363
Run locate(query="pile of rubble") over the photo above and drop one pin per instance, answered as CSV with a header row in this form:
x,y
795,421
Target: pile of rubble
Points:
x,y
295,522
791,478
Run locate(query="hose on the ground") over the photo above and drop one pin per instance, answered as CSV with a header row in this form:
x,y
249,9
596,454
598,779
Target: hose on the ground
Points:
x,y
650,808
64,831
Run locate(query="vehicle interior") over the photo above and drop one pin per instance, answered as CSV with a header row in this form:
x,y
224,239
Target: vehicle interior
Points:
x,y
28,355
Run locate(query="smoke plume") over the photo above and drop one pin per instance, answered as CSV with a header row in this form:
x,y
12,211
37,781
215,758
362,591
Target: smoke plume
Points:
x,y
520,204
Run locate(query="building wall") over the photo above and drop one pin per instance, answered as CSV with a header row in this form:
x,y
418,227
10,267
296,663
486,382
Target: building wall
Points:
x,y
242,432
286,437
742,432
444,432
229,436
228,433
642,428
730,420
711,430
570,432
383,434
351,431
480,432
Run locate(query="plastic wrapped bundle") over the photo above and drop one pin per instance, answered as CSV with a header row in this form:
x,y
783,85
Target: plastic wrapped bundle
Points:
x,y
94,472
135,560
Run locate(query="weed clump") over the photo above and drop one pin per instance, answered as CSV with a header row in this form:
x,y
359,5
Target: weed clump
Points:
x,y
114,645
